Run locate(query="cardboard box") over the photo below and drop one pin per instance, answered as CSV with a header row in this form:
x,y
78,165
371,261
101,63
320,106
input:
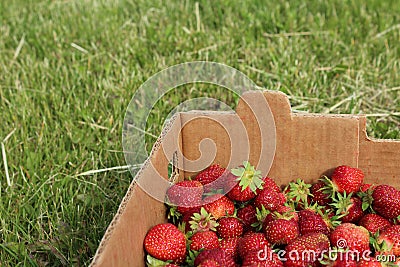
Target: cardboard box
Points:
x,y
307,146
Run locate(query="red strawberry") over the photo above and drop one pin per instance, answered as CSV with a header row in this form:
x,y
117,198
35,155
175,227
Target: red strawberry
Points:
x,y
242,183
229,227
351,236
204,240
218,255
281,231
211,178
219,205
312,222
271,184
318,196
262,258
349,207
366,187
296,251
374,222
386,201
165,242
231,246
186,195
389,239
346,179
248,216
271,200
251,241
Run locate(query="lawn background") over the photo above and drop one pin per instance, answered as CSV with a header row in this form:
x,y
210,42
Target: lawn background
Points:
x,y
68,70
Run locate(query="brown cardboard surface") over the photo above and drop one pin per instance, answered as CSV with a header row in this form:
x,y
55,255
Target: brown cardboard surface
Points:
x,y
379,159
307,146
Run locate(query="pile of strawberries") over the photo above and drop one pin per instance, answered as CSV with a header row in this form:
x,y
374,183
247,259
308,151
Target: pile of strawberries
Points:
x,y
239,218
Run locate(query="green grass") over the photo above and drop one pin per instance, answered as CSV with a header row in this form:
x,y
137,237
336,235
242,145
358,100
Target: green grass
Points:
x,y
62,107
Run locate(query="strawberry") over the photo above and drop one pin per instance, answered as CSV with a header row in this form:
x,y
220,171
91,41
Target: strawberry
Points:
x,y
271,200
351,236
241,183
212,177
345,179
389,239
281,231
219,205
263,258
296,252
350,208
218,255
373,222
248,216
313,222
204,240
251,241
229,227
230,246
269,183
317,194
186,195
165,242
386,201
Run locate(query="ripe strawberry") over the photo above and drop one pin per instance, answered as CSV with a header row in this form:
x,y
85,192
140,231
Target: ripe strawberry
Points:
x,y
241,183
186,195
345,179
313,222
271,200
219,205
373,222
350,208
296,251
386,201
229,227
230,246
248,216
165,242
218,255
204,240
389,239
263,258
251,241
281,231
317,194
351,236
212,177
271,184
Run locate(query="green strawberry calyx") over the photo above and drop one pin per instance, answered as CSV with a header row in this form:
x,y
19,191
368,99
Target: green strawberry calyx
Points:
x,y
203,221
248,176
153,262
